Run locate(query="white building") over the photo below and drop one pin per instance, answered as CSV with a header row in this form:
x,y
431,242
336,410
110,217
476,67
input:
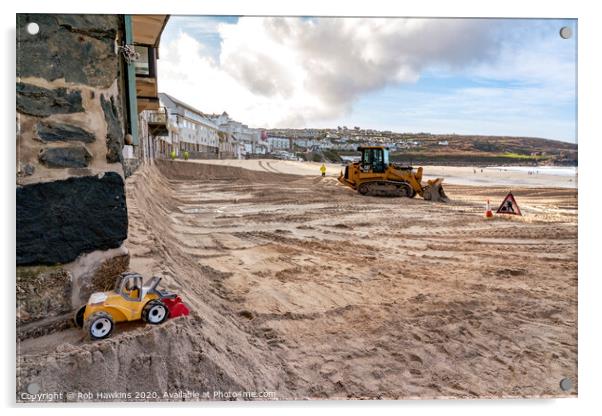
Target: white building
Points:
x,y
189,129
279,143
305,143
325,144
229,148
250,138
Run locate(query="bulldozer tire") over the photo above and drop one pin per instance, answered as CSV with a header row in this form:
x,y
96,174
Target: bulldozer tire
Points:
x,y
99,325
364,188
78,317
155,312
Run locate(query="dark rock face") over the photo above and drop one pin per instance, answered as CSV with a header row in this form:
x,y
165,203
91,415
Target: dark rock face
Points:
x,y
53,132
79,48
114,131
42,102
65,157
57,221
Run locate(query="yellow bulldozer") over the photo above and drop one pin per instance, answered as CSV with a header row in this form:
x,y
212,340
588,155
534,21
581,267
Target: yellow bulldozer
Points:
x,y
374,175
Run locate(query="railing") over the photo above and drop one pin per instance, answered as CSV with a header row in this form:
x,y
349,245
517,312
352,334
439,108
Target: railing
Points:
x,y
158,116
158,121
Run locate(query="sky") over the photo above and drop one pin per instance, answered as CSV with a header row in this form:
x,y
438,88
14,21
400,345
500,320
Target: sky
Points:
x,y
504,77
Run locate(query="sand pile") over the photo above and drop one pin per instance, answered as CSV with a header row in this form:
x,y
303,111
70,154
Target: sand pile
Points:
x,y
206,352
138,360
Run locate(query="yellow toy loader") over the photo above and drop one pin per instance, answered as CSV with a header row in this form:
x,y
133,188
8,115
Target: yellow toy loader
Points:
x,y
130,301
374,175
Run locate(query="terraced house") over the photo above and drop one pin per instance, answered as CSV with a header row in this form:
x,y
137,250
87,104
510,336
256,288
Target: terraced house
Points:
x,y
249,138
189,130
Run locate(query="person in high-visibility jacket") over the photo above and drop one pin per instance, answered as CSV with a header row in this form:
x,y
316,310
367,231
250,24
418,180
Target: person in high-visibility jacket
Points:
x,y
323,169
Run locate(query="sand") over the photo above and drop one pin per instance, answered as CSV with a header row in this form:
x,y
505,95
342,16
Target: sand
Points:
x,y
457,175
301,287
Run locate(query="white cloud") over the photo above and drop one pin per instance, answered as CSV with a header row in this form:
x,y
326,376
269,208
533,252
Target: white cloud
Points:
x,y
296,72
292,71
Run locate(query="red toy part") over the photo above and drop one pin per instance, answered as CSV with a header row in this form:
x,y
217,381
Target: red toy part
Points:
x,y
176,307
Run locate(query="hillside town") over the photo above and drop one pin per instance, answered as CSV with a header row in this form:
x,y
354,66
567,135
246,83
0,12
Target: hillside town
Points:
x,y
179,130
183,128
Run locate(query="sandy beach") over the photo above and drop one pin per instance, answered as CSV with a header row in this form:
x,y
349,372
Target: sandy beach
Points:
x,y
456,175
302,287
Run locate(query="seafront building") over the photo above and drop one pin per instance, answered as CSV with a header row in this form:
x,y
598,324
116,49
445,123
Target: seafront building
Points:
x,y
253,141
179,127
189,130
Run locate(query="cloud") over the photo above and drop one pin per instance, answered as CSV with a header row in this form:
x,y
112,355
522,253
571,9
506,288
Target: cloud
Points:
x,y
337,60
295,72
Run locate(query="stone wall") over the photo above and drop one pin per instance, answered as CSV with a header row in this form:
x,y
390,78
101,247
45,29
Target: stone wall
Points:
x,y
70,193
42,292
200,155
227,155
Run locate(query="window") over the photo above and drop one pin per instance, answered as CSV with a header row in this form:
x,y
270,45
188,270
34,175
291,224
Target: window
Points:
x,y
146,63
367,157
131,288
142,66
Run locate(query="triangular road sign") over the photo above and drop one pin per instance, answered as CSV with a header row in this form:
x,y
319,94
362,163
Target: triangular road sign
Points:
x,y
509,206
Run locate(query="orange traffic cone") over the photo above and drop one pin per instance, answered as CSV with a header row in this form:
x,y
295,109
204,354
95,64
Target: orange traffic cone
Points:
x,y
488,213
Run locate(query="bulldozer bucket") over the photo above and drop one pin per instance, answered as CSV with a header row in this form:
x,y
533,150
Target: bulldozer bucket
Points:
x,y
433,191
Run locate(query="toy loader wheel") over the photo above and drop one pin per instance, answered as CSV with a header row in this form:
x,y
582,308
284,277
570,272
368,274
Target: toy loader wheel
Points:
x,y
78,318
155,312
99,325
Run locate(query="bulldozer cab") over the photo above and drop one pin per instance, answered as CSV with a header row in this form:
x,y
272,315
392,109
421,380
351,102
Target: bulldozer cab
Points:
x,y
374,159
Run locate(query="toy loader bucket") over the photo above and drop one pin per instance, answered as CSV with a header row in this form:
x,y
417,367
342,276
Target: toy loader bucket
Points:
x,y
433,191
176,307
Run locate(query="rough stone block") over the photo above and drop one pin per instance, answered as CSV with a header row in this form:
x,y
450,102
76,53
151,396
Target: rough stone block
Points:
x,y
65,157
57,221
78,48
42,102
42,292
114,131
53,132
28,169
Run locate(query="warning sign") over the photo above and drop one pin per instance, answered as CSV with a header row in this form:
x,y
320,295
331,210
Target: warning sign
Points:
x,y
509,206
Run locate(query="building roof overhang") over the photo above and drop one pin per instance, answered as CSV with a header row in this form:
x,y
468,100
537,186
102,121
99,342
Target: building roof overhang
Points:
x,y
148,28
